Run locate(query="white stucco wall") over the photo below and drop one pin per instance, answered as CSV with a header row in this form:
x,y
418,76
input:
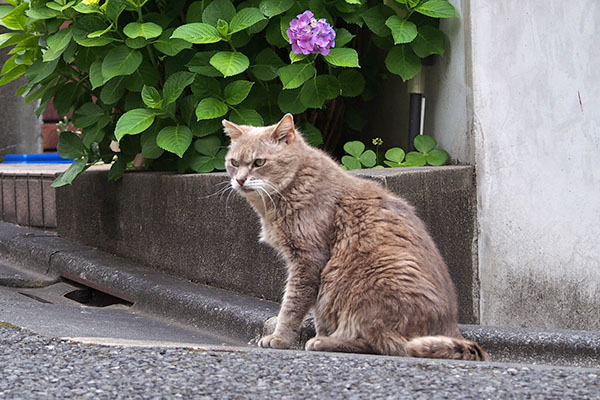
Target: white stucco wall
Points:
x,y
534,75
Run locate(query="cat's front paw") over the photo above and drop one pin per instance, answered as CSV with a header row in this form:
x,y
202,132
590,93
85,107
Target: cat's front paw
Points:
x,y
274,342
314,344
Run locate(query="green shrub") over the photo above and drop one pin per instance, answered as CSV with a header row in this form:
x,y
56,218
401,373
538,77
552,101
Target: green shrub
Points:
x,y
158,76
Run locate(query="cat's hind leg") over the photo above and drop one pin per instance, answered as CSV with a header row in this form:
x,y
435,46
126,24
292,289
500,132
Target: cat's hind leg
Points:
x,y
343,345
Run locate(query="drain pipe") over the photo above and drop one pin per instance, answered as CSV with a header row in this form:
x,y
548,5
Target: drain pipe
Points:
x,y
416,88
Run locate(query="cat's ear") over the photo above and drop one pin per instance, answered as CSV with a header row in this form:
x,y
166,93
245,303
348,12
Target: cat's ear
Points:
x,y
284,130
232,130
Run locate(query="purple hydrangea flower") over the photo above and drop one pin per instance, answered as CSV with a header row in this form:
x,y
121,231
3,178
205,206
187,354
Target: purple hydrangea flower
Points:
x,y
309,36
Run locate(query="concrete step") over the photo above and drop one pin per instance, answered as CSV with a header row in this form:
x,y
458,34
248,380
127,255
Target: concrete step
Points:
x,y
244,318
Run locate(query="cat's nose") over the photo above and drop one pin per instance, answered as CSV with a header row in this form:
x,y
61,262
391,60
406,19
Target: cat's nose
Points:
x,y
241,181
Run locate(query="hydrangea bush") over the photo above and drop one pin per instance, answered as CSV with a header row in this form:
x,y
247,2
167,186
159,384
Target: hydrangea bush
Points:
x,y
148,82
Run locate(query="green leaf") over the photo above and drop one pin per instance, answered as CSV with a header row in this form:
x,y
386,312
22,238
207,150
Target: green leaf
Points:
x,y
230,63
351,82
244,19
10,38
151,97
208,145
275,7
401,60
197,33
58,43
415,159
395,154
121,60
424,143
13,74
206,87
194,12
244,116
266,65
168,46
437,9
133,122
314,92
343,37
289,101
15,19
94,134
429,40
40,70
200,164
273,34
176,139
297,57
354,148
113,91
136,43
375,19
237,91
438,157
200,64
351,162
210,108
223,27
87,115
60,40
343,57
96,77
117,169
70,146
368,158
42,13
218,9
86,9
175,84
67,177
293,76
150,149
147,30
403,31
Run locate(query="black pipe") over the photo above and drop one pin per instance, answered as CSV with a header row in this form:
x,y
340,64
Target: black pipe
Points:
x,y
414,120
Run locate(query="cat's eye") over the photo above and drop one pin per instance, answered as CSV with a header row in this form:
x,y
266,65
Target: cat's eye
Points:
x,y
235,163
259,162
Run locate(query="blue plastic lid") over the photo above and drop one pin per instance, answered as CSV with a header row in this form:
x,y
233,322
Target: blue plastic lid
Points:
x,y
41,158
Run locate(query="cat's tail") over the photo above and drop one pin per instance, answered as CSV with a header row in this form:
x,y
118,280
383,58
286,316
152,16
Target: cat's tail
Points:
x,y
445,347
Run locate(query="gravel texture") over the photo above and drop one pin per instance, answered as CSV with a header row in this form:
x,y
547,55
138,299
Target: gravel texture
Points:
x,y
34,367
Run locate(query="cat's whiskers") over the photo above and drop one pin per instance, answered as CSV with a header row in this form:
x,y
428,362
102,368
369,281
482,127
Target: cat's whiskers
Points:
x,y
221,191
260,188
262,199
274,188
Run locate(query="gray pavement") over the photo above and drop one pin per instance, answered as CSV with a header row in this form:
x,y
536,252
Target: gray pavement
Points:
x,y
57,311
33,367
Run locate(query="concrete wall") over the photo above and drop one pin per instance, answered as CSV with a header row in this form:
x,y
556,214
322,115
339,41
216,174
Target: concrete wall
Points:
x,y
518,94
20,129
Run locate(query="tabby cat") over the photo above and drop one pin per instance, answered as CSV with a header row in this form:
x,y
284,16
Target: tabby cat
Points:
x,y
357,255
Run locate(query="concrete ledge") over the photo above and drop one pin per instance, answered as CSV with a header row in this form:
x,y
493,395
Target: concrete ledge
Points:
x,y
244,318
179,224
26,197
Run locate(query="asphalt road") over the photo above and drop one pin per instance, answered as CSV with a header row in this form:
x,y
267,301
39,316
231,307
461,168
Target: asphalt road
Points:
x,y
165,360
36,367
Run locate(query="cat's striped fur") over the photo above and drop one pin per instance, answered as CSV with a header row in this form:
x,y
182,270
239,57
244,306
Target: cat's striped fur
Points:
x,y
357,255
